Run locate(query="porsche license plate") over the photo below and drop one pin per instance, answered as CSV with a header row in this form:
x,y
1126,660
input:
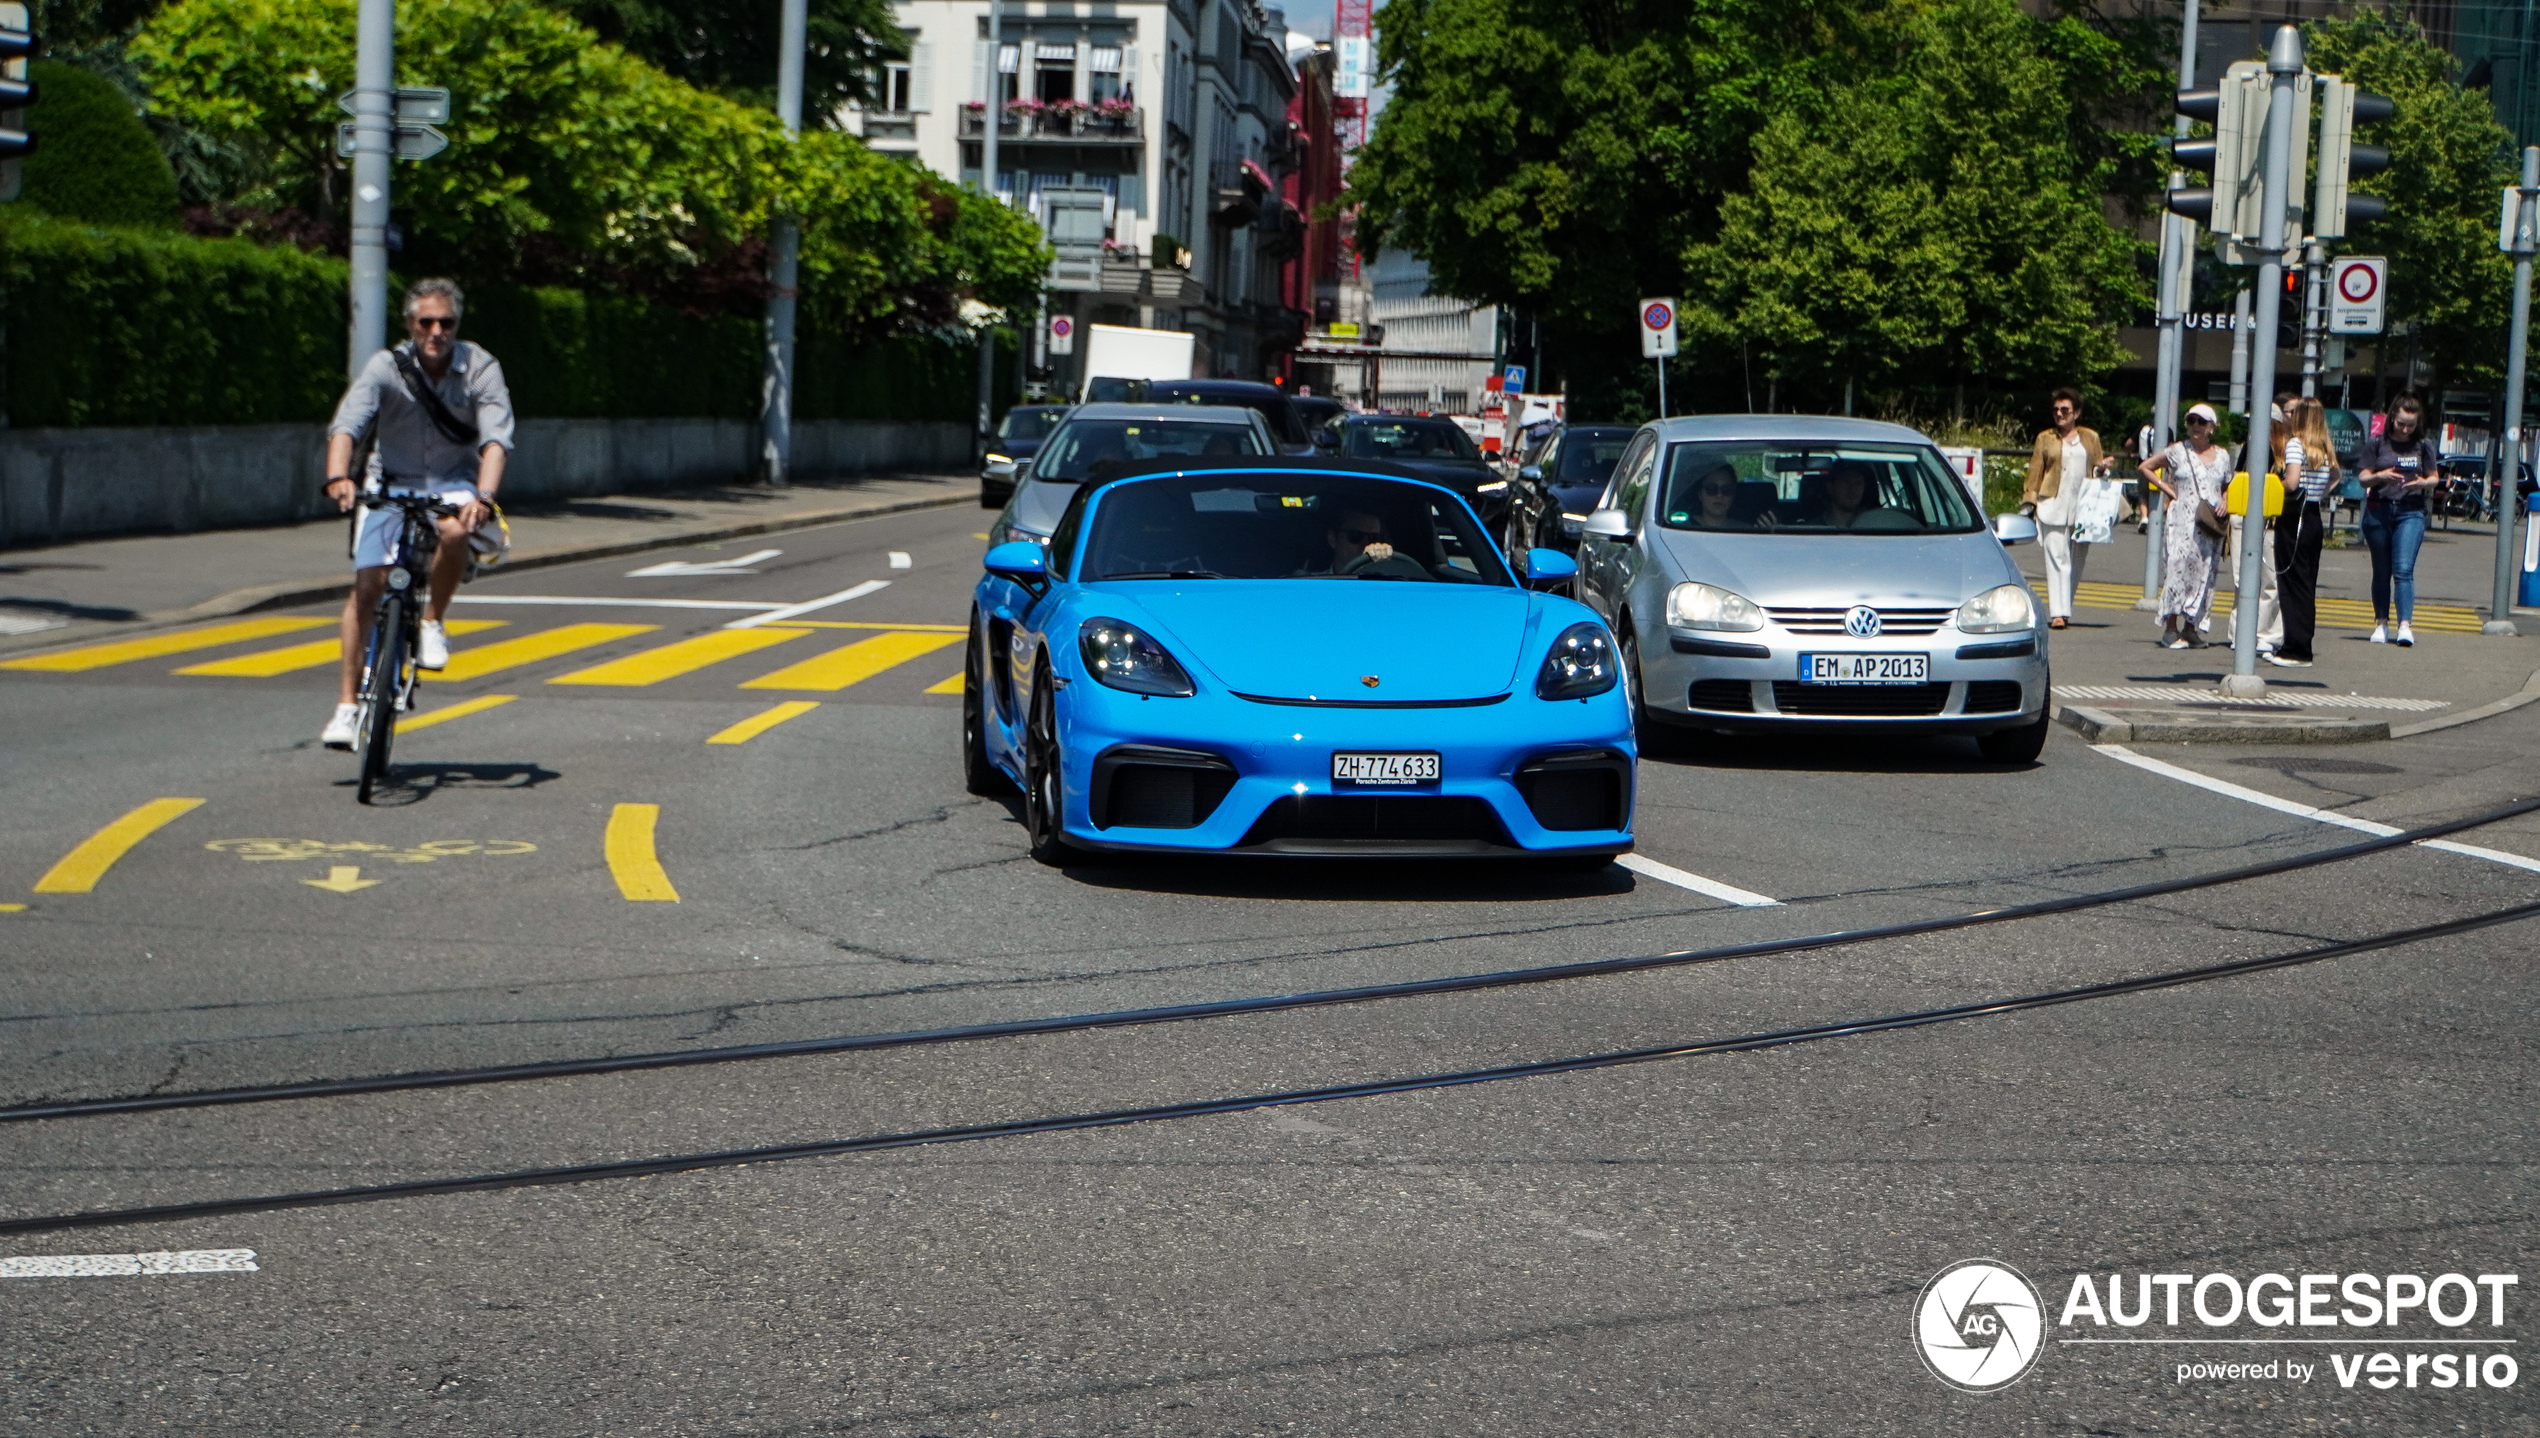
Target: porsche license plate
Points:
x,y
1864,668
1388,771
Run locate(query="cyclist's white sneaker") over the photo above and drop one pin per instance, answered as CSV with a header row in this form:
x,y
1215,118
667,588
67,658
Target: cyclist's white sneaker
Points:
x,y
344,728
2381,634
436,647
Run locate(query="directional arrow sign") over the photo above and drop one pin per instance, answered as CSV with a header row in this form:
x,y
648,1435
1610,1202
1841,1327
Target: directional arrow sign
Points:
x,y
413,142
341,879
679,567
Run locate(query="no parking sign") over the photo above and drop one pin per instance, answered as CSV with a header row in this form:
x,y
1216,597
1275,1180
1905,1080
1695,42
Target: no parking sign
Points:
x,y
2358,293
1657,328
1062,335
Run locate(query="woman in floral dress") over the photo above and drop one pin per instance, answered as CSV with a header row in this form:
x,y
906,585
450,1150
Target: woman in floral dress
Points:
x,y
2193,469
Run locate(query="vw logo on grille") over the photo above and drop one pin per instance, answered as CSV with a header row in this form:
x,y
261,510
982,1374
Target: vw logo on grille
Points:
x,y
1861,621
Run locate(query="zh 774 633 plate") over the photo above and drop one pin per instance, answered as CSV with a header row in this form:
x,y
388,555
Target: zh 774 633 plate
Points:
x,y
1363,770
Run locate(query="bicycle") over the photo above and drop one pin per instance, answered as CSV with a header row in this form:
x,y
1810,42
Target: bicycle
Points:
x,y
396,630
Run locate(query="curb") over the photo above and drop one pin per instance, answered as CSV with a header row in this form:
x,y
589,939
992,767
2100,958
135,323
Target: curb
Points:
x,y
317,591
2529,692
2171,726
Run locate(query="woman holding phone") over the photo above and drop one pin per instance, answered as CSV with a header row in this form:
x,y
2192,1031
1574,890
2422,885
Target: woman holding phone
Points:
x,y
2398,467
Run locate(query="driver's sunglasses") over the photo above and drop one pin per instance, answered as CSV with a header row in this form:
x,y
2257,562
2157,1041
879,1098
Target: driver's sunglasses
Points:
x,y
2066,409
1363,536
437,322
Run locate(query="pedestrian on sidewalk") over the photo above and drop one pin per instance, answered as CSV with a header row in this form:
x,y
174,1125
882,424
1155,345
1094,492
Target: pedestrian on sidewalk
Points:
x,y
2397,467
2310,472
2074,503
2270,601
2193,474
440,418
2138,495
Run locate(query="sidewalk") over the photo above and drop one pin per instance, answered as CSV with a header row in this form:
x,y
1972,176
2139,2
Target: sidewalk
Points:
x,y
117,587
2114,683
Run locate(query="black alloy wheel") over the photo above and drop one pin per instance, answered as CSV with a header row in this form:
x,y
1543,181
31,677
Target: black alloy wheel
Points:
x,y
1044,784
978,775
380,693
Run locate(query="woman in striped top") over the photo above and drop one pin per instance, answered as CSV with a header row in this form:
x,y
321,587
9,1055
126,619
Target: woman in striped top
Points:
x,y
2310,472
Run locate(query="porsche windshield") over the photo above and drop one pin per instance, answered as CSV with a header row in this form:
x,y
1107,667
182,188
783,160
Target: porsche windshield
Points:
x,y
1080,444
1766,488
1268,525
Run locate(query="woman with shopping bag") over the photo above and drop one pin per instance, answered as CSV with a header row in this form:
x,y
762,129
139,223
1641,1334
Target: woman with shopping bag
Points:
x,y
2066,471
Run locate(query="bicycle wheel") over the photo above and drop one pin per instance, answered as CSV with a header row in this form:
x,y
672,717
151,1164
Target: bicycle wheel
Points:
x,y
379,691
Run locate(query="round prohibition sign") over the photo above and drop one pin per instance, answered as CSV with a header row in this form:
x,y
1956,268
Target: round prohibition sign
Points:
x,y
1658,316
1062,326
2357,284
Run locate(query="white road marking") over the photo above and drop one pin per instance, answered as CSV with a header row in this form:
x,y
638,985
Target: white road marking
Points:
x,y
681,568
2230,790
796,611
602,602
1668,874
130,1265
900,560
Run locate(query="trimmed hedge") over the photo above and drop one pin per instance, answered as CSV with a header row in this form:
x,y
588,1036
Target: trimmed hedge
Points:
x,y
133,327
136,327
94,160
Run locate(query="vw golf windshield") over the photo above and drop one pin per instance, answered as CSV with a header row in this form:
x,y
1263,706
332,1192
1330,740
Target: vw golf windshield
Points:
x,y
1266,525
1080,444
1754,488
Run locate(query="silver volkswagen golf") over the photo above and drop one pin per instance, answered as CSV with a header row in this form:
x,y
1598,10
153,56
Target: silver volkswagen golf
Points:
x,y
1785,572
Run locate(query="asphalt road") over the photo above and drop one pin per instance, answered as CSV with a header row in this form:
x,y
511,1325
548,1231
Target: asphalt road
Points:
x,y
1722,1243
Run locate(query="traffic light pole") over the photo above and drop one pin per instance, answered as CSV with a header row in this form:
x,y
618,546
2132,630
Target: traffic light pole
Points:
x,y
2314,314
374,145
2177,257
2284,70
784,260
2526,237
990,118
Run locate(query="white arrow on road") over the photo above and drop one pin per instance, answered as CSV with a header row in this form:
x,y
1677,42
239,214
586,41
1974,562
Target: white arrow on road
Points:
x,y
341,879
680,567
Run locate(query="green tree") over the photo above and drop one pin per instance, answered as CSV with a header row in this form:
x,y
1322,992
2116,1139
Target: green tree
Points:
x,y
1938,216
2449,161
94,160
730,46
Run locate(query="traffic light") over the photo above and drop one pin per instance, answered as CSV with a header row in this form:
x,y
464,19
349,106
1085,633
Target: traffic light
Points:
x,y
2342,108
17,93
2234,206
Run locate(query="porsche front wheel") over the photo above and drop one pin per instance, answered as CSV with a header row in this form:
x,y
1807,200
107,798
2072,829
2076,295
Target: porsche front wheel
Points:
x,y
1044,782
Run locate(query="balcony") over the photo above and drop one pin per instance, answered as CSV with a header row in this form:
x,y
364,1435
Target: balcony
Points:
x,y
1068,124
1236,190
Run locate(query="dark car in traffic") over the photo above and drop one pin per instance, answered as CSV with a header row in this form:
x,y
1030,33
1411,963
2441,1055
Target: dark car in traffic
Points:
x,y
1277,410
1557,487
1018,438
1435,449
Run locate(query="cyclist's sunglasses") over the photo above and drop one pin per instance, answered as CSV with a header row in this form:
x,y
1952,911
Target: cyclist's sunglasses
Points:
x,y
436,322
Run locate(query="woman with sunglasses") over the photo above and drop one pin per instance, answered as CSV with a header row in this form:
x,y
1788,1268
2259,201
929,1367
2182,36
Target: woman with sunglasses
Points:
x,y
1715,494
2063,492
2194,474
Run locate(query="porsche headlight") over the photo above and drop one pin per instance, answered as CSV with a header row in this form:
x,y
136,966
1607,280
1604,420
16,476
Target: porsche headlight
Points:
x,y
1999,611
1581,663
1120,656
1704,606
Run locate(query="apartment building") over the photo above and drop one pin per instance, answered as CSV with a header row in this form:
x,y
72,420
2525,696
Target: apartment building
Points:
x,y
1176,111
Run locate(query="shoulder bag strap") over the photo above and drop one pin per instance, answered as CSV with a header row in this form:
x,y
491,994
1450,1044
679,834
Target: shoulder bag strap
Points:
x,y
419,389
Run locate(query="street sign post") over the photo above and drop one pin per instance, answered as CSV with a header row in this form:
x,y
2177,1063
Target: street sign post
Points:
x,y
1062,334
2517,235
1658,340
2358,295
17,42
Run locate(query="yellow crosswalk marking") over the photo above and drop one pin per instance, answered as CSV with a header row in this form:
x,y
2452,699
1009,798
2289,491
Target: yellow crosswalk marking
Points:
x,y
494,658
764,720
855,663
683,656
632,862
154,646
874,624
949,686
81,868
266,663
460,710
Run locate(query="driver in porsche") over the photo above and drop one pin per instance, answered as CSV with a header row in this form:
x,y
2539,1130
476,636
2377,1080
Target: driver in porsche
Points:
x,y
1357,540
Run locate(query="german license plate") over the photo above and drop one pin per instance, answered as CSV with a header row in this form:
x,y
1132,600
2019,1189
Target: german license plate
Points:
x,y
1390,771
1864,668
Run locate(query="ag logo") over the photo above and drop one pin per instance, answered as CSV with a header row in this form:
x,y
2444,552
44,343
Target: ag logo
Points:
x,y
1978,1325
1861,621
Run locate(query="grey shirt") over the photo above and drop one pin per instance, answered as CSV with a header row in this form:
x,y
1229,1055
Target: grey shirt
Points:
x,y
410,446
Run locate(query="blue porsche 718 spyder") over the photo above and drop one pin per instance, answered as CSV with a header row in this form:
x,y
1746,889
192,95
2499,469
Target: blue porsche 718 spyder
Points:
x,y
1291,656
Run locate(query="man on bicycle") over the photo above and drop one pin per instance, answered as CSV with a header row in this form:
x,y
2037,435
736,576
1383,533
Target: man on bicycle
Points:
x,y
442,423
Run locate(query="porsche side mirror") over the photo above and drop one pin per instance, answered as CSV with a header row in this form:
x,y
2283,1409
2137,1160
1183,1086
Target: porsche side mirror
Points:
x,y
1549,569
1019,560
2014,528
1611,524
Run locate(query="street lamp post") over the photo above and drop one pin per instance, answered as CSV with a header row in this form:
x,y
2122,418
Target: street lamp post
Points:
x,y
374,144
2284,68
989,120
2177,258
784,245
2526,238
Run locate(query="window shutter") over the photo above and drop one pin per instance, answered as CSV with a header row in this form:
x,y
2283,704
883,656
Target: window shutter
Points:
x,y
979,70
921,76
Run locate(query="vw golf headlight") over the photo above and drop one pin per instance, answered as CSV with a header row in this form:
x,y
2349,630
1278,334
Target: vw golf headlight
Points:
x,y
1121,656
1705,606
1999,611
1005,460
1581,663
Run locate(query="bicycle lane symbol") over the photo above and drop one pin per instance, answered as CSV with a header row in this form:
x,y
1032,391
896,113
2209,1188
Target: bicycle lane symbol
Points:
x,y
346,877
